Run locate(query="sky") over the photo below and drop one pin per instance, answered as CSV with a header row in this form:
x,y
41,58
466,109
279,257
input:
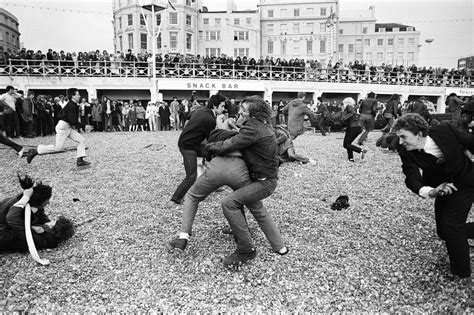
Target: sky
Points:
x,y
86,25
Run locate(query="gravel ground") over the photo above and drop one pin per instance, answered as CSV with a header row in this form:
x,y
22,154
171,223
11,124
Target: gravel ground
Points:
x,y
379,255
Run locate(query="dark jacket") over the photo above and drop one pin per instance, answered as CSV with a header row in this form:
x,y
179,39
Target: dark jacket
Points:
x,y
12,227
70,114
391,109
350,117
457,167
257,142
202,121
323,110
368,106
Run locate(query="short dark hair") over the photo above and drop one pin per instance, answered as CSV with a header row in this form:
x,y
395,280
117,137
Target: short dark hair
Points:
x,y
301,94
371,94
412,122
9,87
71,92
63,229
258,108
41,193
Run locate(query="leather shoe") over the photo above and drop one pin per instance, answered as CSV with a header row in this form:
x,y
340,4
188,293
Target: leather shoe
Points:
x,y
82,163
31,154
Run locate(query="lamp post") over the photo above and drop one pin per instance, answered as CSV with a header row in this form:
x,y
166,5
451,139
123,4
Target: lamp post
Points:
x,y
153,8
429,41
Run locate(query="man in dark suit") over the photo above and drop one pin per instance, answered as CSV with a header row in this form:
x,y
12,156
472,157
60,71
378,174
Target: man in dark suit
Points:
x,y
29,113
448,177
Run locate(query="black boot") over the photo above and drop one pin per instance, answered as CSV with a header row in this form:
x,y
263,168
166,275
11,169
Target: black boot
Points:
x,y
31,154
81,162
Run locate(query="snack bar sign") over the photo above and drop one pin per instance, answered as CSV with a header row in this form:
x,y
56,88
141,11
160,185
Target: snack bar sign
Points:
x,y
220,85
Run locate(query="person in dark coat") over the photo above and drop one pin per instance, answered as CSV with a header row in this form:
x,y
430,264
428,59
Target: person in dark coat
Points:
x,y
296,110
454,104
45,233
353,128
368,110
447,177
165,114
323,113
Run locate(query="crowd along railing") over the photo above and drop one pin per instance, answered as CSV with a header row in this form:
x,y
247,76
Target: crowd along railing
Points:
x,y
17,67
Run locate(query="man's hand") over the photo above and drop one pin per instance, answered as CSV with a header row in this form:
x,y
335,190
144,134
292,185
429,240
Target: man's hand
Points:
x,y
37,229
210,146
28,192
443,190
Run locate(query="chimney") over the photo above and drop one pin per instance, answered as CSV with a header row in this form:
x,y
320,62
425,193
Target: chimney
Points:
x,y
372,9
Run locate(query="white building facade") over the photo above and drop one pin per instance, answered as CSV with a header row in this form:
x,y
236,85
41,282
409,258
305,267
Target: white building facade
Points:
x,y
361,38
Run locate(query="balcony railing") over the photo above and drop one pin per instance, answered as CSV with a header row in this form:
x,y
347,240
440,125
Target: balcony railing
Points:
x,y
225,72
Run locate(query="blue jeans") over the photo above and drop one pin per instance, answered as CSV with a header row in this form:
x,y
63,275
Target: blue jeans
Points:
x,y
190,167
368,123
251,195
232,172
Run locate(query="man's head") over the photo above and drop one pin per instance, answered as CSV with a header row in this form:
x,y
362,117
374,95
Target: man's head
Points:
x,y
347,101
63,229
73,95
255,107
31,94
217,103
301,95
41,195
412,130
10,89
371,95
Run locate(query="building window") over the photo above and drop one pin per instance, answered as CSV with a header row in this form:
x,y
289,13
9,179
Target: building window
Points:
x,y
241,35
322,27
248,21
401,42
358,44
270,13
396,29
283,28
120,43
368,56
410,29
241,52
130,40
213,35
411,41
142,20
188,3
340,48
213,52
322,12
390,42
382,29
309,27
270,28
283,48
350,48
158,42
130,19
296,47
158,19
380,56
217,22
400,56
173,40
390,57
358,56
120,22
322,46
364,30
270,47
296,28
205,21
366,42
310,11
380,42
236,21
173,18
341,31
296,12
143,41
411,56
188,20
309,47
189,41
283,12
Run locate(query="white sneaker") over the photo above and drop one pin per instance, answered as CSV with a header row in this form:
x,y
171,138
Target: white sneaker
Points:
x,y
21,152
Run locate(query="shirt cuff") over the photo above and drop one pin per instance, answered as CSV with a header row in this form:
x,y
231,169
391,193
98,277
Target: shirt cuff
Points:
x,y
22,202
424,192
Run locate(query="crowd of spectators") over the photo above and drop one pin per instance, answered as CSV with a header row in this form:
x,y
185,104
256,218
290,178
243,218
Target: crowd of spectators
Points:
x,y
114,62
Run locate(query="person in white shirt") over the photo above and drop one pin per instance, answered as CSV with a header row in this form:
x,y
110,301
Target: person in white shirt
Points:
x,y
11,120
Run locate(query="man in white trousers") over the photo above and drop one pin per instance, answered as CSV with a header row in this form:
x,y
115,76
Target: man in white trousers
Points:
x,y
68,127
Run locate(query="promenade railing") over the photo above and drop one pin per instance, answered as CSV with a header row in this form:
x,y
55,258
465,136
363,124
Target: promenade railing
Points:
x,y
15,67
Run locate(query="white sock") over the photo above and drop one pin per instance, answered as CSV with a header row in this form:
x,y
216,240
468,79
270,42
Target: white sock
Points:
x,y
184,235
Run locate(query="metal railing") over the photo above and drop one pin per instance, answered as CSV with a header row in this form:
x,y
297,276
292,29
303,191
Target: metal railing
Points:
x,y
126,69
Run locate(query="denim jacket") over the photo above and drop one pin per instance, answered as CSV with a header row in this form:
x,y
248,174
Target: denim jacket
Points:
x,y
257,142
